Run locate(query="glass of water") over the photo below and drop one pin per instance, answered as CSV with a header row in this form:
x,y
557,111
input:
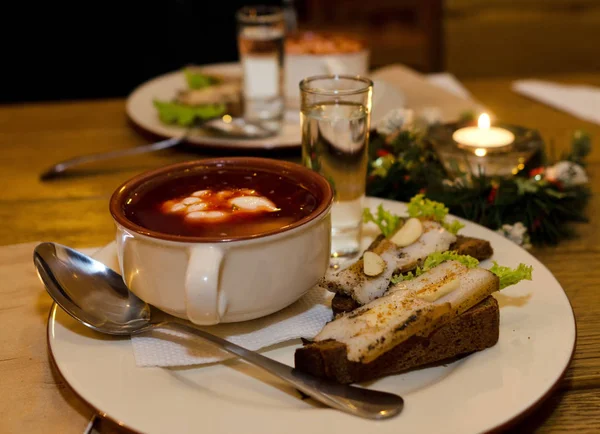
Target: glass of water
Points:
x,y
336,116
261,37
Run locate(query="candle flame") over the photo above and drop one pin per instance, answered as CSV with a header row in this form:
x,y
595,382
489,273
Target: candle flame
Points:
x,y
484,121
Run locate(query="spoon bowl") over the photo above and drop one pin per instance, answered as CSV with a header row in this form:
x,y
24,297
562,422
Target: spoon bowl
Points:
x,y
97,297
101,300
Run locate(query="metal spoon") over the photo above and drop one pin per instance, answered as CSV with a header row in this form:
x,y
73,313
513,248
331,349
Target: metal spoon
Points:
x,y
225,126
97,297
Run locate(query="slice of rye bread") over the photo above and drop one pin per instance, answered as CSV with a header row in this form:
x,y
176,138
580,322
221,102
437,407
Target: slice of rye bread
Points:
x,y
476,329
475,247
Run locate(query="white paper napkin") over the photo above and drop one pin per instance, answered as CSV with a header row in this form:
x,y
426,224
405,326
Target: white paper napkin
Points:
x,y
449,82
303,319
581,101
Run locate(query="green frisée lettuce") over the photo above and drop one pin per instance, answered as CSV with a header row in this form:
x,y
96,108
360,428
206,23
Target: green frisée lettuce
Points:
x,y
433,260
508,276
184,115
385,220
197,80
175,113
453,227
436,258
419,206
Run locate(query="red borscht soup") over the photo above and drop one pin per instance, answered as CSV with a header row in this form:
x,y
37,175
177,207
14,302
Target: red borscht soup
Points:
x,y
219,202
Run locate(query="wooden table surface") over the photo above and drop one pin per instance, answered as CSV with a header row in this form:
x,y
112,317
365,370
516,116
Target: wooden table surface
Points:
x,y
74,211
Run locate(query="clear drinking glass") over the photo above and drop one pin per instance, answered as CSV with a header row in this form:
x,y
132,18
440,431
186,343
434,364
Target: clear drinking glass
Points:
x,y
261,37
336,118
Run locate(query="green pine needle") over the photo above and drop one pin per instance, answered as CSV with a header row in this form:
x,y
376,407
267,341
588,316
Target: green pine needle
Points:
x,y
411,170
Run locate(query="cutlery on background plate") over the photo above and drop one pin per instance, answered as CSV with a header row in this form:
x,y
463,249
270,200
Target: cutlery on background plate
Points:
x,y
70,277
224,126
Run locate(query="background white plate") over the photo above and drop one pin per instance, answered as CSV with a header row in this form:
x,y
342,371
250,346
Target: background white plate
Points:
x,y
141,111
478,393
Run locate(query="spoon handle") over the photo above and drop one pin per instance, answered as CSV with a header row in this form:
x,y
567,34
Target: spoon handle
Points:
x,y
371,404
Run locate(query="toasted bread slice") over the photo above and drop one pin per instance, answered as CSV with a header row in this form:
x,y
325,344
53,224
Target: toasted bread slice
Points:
x,y
474,330
475,247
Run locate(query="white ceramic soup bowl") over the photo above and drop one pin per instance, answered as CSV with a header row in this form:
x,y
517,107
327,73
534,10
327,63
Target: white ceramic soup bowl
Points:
x,y
210,280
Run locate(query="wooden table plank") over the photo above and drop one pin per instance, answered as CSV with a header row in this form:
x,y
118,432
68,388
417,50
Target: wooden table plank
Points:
x,y
79,222
34,398
39,135
565,411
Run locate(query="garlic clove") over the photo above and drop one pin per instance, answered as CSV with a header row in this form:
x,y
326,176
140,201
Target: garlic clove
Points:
x,y
408,233
373,264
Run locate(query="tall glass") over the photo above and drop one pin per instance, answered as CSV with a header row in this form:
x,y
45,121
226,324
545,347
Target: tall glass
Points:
x,y
336,118
261,37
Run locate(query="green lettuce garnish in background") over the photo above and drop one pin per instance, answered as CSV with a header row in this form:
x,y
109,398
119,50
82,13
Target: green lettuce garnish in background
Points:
x,y
509,276
184,115
197,80
453,227
385,220
419,206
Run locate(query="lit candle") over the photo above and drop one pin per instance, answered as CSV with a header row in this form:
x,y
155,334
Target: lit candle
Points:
x,y
483,136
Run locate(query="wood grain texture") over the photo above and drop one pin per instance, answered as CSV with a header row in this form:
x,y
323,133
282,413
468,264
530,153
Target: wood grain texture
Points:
x,y
564,412
34,399
74,211
527,37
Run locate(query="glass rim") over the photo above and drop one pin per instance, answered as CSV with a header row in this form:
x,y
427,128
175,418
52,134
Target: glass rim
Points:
x,y
270,14
304,84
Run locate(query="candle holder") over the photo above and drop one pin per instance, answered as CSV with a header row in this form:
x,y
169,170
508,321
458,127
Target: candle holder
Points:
x,y
503,160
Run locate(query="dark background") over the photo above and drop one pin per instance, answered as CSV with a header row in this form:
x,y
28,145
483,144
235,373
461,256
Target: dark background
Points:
x,y
63,50
90,49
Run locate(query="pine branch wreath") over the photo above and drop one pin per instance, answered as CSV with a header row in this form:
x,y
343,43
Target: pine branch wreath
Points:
x,y
535,206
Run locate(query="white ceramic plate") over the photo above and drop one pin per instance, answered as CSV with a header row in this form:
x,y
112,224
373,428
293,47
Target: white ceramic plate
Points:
x,y
476,394
141,111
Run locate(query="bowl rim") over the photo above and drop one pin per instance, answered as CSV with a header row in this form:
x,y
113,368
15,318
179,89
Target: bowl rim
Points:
x,y
294,171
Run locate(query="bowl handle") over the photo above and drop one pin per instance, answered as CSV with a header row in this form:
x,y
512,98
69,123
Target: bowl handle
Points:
x,y
205,302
